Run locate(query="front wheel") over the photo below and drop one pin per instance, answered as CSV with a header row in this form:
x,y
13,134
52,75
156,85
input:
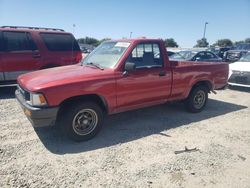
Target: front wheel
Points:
x,y
197,99
82,121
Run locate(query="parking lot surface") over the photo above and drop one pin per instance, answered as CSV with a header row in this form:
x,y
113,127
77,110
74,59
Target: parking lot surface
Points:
x,y
134,149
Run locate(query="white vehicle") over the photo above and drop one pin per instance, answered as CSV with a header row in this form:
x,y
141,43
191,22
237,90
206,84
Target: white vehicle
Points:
x,y
239,72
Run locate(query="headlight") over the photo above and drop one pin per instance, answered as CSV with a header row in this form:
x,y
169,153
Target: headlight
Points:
x,y
37,99
230,73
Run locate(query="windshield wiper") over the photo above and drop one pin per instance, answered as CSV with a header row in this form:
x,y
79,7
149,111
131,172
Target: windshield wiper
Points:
x,y
95,65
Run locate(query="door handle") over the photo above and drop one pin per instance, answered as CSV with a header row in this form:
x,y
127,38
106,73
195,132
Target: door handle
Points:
x,y
36,55
162,73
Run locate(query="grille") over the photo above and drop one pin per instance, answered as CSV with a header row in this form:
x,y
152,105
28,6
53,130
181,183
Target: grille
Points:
x,y
233,56
240,77
24,93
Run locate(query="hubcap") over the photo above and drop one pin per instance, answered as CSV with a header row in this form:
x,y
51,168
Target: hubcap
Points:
x,y
199,99
85,122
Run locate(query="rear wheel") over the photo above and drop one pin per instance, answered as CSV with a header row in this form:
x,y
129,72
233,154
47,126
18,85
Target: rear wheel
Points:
x,y
82,121
197,99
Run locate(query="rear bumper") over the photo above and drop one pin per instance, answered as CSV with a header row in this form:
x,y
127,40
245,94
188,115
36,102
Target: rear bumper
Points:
x,y
39,117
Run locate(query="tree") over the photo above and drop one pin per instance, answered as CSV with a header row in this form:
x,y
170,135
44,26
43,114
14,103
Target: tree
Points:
x,y
201,43
170,43
104,39
223,43
238,42
88,40
247,40
91,41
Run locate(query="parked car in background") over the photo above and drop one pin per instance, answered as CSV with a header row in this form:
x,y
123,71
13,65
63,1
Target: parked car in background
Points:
x,y
170,53
119,75
237,52
85,50
219,51
196,56
25,49
239,72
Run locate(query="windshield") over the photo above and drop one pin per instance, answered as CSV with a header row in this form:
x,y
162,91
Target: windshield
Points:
x,y
243,47
183,55
107,54
214,50
245,58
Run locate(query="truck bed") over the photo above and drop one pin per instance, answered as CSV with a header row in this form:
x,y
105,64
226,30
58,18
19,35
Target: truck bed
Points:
x,y
186,73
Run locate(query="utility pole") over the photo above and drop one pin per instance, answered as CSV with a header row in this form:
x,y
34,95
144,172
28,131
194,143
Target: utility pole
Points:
x,y
74,25
72,45
205,27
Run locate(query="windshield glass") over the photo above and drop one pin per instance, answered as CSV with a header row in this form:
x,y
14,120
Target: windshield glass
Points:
x,y
245,58
183,55
214,50
243,47
107,54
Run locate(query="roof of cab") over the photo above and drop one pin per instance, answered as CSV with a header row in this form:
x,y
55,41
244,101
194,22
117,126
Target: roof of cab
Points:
x,y
143,39
31,29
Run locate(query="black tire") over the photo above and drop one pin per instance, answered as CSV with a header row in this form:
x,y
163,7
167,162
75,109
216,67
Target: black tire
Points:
x,y
82,121
197,99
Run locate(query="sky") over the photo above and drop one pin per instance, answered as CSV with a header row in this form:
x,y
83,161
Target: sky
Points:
x,y
182,20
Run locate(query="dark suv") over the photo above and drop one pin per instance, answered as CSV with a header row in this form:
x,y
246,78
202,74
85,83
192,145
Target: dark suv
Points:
x,y
24,49
236,53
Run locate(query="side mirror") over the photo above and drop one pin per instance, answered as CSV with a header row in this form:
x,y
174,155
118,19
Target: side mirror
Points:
x,y
129,66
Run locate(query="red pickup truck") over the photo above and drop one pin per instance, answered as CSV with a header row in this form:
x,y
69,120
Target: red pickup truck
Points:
x,y
119,75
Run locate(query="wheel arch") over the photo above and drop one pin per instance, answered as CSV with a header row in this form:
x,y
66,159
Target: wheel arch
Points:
x,y
208,84
205,83
98,99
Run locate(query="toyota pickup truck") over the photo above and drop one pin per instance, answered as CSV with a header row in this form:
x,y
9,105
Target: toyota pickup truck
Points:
x,y
119,75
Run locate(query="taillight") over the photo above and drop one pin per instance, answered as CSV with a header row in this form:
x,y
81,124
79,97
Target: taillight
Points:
x,y
78,56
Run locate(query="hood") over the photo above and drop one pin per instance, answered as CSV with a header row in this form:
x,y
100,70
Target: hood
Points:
x,y
46,78
240,66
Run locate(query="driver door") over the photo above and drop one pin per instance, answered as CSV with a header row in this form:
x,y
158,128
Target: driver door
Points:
x,y
149,84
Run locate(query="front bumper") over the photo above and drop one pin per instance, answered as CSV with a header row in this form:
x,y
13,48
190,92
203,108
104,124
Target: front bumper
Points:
x,y
239,78
235,84
232,57
39,117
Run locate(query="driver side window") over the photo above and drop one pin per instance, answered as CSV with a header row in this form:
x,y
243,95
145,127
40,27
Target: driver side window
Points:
x,y
146,55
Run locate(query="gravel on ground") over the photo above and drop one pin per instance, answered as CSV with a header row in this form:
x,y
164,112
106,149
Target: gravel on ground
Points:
x,y
134,149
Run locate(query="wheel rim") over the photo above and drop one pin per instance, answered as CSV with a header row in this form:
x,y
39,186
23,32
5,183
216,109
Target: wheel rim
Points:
x,y
199,99
85,121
